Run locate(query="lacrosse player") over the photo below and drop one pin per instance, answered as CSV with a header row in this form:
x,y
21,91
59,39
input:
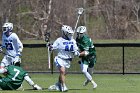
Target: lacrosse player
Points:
x,y
12,45
14,76
87,54
66,48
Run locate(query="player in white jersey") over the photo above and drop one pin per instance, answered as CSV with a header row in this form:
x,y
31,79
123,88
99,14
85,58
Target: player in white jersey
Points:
x,y
12,45
66,49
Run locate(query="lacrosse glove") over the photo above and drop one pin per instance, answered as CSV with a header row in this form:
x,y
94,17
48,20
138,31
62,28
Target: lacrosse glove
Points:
x,y
76,53
17,59
50,46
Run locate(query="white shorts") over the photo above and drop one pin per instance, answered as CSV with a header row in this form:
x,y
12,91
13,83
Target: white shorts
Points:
x,y
7,60
60,62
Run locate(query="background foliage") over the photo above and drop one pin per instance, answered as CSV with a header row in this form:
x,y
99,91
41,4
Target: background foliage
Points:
x,y
105,19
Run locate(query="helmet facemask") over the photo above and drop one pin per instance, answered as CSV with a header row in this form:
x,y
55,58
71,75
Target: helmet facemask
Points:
x,y
67,32
7,27
79,35
81,30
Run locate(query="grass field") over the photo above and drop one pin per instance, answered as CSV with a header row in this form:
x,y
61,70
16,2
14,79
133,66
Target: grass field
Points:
x,y
109,60
107,83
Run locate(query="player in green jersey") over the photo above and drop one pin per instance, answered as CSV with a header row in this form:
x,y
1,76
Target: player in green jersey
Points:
x,y
87,54
14,76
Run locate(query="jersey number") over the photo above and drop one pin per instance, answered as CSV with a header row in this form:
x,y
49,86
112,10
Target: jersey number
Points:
x,y
17,72
67,48
9,46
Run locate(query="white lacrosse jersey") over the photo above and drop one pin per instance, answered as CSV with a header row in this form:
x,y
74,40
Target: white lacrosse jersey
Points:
x,y
65,48
12,44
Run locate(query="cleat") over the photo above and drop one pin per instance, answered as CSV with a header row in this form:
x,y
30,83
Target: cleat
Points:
x,y
94,85
86,83
36,87
64,89
54,87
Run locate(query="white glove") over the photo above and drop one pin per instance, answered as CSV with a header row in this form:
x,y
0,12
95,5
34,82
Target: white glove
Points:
x,y
50,47
36,87
76,53
17,59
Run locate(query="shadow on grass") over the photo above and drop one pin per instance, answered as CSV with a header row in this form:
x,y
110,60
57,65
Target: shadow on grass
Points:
x,y
51,90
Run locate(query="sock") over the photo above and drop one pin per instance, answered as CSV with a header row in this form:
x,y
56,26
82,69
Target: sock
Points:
x,y
28,79
93,82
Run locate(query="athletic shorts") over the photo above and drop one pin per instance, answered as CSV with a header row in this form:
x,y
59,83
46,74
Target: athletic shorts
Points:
x,y
60,62
3,85
89,61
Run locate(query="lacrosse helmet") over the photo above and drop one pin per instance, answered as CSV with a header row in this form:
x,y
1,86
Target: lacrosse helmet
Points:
x,y
67,32
7,27
80,31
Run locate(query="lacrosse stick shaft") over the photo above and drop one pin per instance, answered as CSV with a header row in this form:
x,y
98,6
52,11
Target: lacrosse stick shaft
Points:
x,y
52,53
76,23
80,12
49,61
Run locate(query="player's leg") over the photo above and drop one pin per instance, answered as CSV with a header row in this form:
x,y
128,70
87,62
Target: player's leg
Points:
x,y
62,79
30,82
60,64
90,70
84,68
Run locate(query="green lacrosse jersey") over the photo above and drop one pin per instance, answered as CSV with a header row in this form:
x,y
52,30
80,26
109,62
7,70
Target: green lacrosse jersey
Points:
x,y
85,43
15,76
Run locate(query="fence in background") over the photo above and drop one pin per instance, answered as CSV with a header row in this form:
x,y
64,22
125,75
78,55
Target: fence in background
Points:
x,y
112,58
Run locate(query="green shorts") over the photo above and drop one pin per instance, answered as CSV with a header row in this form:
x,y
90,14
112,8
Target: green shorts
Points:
x,y
90,61
3,85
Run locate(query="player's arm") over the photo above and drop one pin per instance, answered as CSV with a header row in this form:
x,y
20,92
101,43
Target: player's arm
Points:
x,y
3,43
3,70
19,44
75,49
54,46
86,46
31,83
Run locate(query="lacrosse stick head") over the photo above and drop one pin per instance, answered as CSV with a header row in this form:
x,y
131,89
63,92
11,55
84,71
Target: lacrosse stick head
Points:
x,y
47,37
80,11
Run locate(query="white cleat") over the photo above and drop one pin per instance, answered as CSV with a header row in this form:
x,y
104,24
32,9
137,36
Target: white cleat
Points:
x,y
86,82
94,85
64,89
54,87
36,87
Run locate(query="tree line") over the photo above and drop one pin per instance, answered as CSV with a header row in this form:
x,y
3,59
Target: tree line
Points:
x,y
105,19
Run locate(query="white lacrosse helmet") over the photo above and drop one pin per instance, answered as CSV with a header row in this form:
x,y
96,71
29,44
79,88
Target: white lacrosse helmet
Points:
x,y
67,32
80,31
7,27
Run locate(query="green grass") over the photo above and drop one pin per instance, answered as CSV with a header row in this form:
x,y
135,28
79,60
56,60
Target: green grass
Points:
x,y
106,83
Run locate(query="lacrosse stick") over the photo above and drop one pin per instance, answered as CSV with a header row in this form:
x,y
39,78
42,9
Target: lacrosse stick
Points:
x,y
80,12
47,39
